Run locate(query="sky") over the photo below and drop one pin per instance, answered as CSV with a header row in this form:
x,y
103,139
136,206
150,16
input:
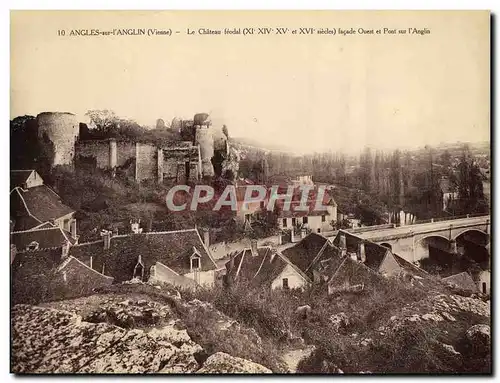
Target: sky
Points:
x,y
305,92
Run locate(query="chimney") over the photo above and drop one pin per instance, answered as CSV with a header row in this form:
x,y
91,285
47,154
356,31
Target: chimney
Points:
x,y
106,235
73,228
343,246
361,252
253,247
206,237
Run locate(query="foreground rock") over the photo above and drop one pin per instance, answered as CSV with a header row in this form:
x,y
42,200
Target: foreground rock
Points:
x,y
480,338
47,340
221,362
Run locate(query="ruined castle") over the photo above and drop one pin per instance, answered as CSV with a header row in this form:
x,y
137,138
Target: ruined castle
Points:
x,y
179,161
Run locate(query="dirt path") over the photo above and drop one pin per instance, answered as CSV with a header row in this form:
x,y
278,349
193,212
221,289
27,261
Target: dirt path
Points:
x,y
293,357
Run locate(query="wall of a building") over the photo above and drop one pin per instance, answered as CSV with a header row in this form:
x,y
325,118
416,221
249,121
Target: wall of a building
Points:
x,y
163,274
34,180
65,221
313,222
295,281
203,278
484,277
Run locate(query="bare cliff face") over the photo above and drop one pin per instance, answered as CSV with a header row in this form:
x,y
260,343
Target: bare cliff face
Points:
x,y
113,335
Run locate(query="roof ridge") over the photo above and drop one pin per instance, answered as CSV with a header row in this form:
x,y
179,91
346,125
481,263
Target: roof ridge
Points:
x,y
34,229
89,243
24,203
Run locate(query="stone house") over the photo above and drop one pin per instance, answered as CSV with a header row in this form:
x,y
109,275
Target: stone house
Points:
x,y
177,257
263,266
34,205
317,221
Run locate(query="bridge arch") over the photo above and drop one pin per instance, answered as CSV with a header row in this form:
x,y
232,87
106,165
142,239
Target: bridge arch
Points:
x,y
474,245
422,245
478,236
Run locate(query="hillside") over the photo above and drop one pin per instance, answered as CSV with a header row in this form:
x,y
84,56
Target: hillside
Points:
x,y
394,326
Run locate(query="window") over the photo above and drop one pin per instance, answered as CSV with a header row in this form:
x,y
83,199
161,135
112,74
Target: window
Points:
x,y
319,230
294,221
304,220
33,246
284,222
484,287
285,283
195,263
323,218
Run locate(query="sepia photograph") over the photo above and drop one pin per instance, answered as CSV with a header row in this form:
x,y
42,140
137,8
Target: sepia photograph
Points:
x,y
250,192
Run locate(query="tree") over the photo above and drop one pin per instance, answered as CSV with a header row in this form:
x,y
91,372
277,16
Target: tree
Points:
x,y
470,185
104,120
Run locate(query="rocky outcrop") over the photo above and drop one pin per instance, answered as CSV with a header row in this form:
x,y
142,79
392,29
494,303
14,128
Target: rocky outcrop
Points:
x,y
221,362
51,341
116,336
480,338
440,308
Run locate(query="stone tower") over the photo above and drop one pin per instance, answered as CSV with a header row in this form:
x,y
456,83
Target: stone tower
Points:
x,y
204,138
57,134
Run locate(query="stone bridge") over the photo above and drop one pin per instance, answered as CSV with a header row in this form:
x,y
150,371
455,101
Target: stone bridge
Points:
x,y
412,242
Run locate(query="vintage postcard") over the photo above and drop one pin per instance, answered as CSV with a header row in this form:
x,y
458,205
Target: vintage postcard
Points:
x,y
256,192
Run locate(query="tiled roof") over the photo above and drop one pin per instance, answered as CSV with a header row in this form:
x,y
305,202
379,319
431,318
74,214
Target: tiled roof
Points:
x,y
245,265
329,260
375,254
173,249
272,265
19,177
462,280
260,270
47,238
408,266
351,272
43,203
303,253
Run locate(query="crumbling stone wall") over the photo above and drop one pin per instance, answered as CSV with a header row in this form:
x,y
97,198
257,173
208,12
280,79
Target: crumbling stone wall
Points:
x,y
204,138
58,133
146,164
97,149
125,151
